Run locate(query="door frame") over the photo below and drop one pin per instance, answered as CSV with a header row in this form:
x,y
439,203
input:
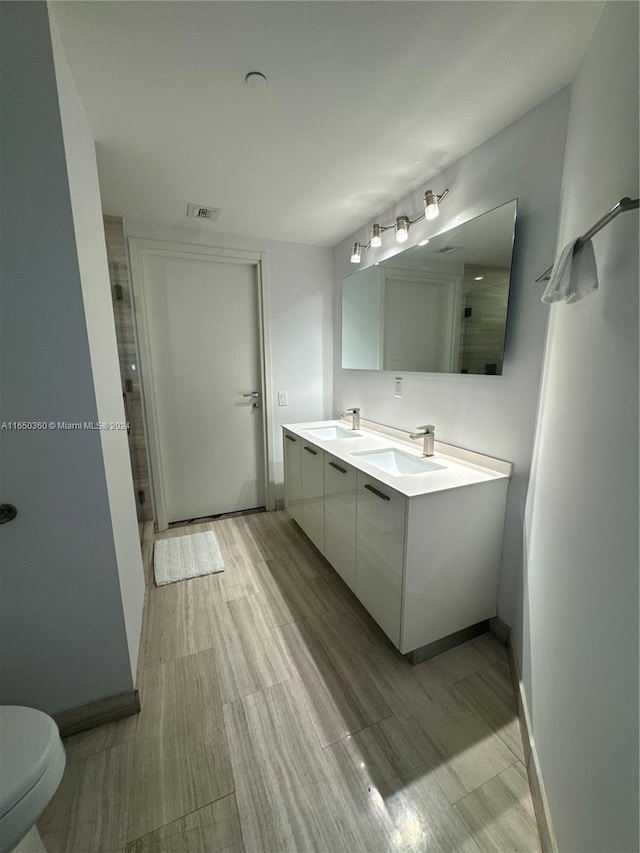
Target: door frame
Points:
x,y
138,249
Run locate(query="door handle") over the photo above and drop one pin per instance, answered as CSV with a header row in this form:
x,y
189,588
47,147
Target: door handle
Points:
x,y
7,513
255,395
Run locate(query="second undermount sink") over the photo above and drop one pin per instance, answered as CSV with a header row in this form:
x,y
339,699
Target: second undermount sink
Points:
x,y
332,432
397,463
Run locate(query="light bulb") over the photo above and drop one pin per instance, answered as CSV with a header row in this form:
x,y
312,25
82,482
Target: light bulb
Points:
x,y
356,257
431,209
376,237
402,229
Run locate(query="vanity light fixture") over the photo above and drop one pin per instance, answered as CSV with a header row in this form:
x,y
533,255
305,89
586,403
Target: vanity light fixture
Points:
x,y
402,229
431,204
401,226
376,236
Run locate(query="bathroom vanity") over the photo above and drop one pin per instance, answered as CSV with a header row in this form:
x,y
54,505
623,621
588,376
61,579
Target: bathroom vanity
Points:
x,y
417,539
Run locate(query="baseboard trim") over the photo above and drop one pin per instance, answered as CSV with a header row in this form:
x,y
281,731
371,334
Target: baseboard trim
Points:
x,y
500,630
445,643
540,804
95,714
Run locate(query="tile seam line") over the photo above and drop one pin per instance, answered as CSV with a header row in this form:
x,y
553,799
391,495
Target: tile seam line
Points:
x,y
357,732
477,787
99,751
475,672
182,817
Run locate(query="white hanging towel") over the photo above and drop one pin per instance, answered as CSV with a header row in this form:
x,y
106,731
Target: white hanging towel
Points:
x,y
574,274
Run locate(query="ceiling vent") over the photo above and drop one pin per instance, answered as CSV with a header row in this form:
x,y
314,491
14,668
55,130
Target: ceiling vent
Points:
x,y
449,250
200,211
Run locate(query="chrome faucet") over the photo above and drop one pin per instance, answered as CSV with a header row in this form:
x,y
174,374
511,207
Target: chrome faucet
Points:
x,y
355,417
427,433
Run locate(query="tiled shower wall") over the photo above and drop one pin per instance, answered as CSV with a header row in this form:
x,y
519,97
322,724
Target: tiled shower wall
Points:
x,y
129,369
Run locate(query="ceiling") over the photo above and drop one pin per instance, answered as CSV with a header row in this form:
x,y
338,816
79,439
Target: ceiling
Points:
x,y
366,101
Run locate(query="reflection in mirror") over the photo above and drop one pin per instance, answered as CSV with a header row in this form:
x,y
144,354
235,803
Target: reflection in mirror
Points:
x,y
438,308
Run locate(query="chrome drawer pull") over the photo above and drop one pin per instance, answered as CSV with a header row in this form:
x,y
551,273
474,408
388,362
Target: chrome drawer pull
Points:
x,y
309,450
377,493
338,468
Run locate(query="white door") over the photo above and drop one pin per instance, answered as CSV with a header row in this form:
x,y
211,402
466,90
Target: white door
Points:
x,y
420,315
202,342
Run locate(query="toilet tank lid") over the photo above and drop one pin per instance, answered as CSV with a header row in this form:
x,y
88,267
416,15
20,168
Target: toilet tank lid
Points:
x,y
29,743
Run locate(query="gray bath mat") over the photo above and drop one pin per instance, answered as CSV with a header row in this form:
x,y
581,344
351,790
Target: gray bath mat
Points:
x,y
183,557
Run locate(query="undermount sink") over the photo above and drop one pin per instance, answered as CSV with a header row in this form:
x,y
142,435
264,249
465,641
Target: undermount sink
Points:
x,y
332,432
397,463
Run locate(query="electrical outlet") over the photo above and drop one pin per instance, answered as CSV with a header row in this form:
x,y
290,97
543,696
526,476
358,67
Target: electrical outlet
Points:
x,y
283,398
398,384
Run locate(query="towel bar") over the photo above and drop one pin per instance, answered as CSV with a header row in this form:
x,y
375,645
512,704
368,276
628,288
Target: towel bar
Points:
x,y
621,207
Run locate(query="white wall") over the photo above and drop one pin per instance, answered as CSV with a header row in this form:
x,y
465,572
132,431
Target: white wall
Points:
x,y
63,641
490,414
299,304
581,655
86,210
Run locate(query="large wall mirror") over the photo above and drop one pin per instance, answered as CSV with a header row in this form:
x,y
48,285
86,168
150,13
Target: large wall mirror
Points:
x,y
437,308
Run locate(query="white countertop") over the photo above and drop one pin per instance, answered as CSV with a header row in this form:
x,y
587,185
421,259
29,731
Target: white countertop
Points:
x,y
459,467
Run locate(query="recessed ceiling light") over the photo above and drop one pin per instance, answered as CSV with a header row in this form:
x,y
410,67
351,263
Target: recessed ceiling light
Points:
x,y
256,79
423,242
478,278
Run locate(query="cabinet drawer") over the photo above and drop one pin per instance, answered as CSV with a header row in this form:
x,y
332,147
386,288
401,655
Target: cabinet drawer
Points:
x,y
340,517
380,525
312,464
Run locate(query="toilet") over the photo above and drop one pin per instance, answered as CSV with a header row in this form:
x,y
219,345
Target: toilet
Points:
x,y
32,761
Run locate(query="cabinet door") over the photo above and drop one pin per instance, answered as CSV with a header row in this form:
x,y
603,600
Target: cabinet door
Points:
x,y
313,494
380,527
340,518
292,476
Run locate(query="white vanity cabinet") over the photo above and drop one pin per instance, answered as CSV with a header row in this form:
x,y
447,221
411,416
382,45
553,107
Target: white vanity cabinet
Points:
x,y
452,552
427,566
292,450
340,517
380,527
421,551
312,488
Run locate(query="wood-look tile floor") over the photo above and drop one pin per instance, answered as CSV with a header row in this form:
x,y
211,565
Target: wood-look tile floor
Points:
x,y
275,717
